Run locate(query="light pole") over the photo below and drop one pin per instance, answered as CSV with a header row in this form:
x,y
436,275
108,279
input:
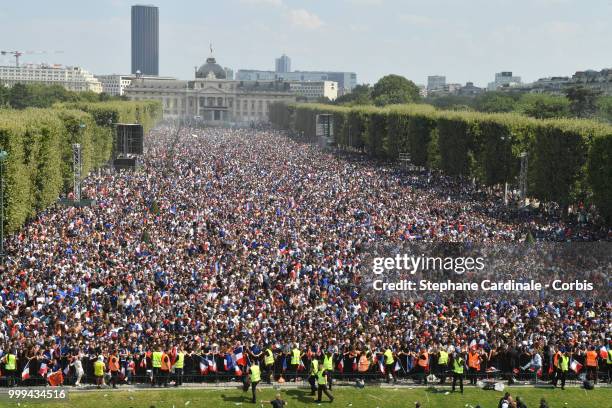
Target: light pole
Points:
x,y
3,156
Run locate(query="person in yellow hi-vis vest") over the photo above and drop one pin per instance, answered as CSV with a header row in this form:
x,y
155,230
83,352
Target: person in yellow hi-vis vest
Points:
x,y
322,385
563,367
296,357
312,379
268,364
442,364
255,378
328,364
389,365
178,367
156,362
10,365
458,364
99,368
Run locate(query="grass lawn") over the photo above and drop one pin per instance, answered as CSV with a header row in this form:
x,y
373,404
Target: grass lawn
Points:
x,y
369,397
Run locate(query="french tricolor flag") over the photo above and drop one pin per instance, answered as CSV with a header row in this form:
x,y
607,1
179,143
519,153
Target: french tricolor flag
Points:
x,y
203,367
301,366
212,364
228,363
237,371
603,352
381,366
341,365
239,356
397,366
576,366
25,374
43,369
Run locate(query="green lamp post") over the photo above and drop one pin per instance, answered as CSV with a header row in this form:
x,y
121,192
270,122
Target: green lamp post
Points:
x,y
3,156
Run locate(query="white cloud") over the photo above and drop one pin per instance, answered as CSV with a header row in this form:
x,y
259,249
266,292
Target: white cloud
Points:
x,y
276,3
359,28
416,19
562,28
304,19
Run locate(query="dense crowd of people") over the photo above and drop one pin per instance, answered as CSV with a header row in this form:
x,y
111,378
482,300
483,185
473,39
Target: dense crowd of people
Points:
x,y
236,246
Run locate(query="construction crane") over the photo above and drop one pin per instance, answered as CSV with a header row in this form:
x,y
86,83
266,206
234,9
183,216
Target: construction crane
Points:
x,y
18,54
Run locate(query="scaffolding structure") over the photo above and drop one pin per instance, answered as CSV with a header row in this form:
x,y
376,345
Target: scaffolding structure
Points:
x,y
77,167
523,176
404,158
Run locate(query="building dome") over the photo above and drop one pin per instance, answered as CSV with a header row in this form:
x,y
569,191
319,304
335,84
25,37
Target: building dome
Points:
x,y
210,70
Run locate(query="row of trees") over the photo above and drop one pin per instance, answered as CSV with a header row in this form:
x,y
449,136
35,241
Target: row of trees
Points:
x,y
38,168
390,89
21,96
576,102
569,159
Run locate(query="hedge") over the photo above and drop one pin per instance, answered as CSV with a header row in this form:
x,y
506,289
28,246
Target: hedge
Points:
x,y
570,160
38,168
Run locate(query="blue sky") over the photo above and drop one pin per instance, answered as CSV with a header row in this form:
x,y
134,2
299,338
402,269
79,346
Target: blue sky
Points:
x,y
466,40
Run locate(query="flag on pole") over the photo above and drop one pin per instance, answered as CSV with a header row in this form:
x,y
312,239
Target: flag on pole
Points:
x,y
43,369
576,366
25,374
603,353
381,366
212,364
355,364
410,363
239,356
228,363
301,366
203,367
397,366
237,371
341,365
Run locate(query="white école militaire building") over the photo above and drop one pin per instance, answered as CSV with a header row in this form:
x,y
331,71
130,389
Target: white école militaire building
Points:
x,y
72,78
212,97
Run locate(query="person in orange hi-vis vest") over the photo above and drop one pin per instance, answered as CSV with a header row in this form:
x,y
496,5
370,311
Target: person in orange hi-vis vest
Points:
x,y
474,365
591,362
165,368
113,366
422,364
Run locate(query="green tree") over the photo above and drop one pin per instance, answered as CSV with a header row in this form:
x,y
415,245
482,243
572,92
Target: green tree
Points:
x,y
394,89
451,102
582,101
360,95
44,96
495,102
19,96
5,93
604,108
541,106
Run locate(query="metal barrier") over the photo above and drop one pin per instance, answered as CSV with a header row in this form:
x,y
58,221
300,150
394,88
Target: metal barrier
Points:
x,y
220,378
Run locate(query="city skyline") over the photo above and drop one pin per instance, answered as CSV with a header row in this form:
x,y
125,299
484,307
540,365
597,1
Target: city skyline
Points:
x,y
464,42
